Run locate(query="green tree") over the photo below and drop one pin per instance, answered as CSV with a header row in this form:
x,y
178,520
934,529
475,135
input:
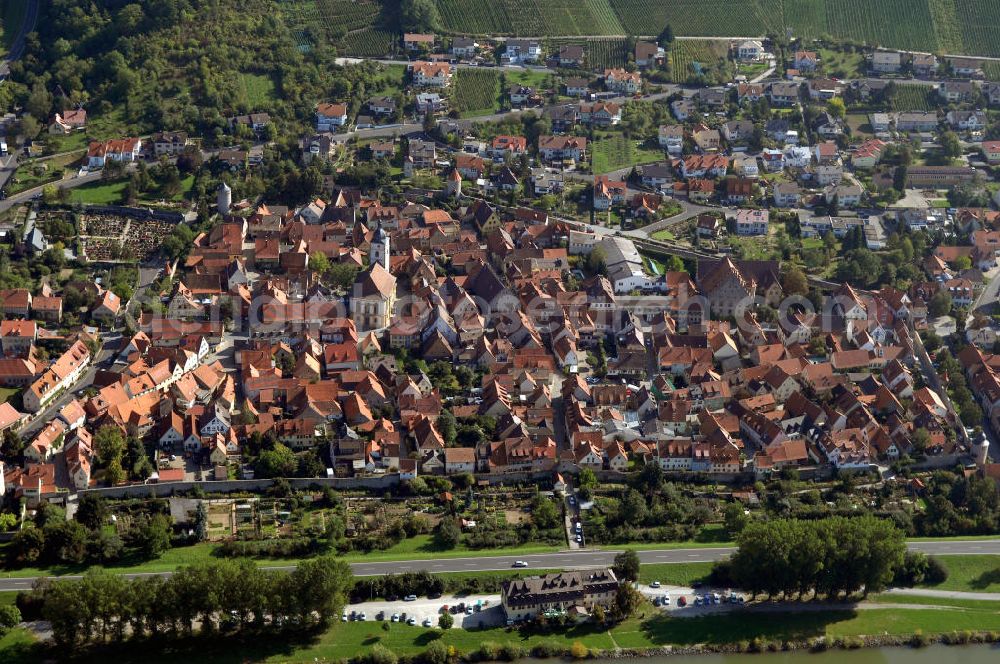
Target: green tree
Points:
x,y
446,621
13,446
627,601
597,261
951,146
92,511
544,513
420,16
795,282
109,443
318,262
279,461
10,616
446,425
152,537
940,304
626,566
735,519
447,534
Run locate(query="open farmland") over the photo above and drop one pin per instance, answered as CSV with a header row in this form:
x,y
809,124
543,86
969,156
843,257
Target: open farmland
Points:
x,y
475,91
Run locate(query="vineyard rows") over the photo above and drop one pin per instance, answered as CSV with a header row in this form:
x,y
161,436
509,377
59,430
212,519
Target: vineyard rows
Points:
x,y
959,26
912,98
684,53
530,17
371,43
475,91
700,17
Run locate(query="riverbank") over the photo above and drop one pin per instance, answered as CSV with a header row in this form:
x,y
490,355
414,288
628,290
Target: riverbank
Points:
x,y
649,634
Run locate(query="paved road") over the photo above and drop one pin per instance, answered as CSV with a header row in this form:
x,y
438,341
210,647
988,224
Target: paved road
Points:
x,y
17,46
571,559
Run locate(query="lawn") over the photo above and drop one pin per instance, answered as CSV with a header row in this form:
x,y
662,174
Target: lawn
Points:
x,y
530,77
841,64
30,174
345,640
257,91
18,646
388,81
100,193
77,140
971,574
675,574
616,151
110,193
6,393
664,235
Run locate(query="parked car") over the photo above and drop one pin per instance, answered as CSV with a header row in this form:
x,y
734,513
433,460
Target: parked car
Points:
x,y
427,622
395,617
579,539
410,598
697,601
343,618
682,601
666,600
411,622
468,610
654,584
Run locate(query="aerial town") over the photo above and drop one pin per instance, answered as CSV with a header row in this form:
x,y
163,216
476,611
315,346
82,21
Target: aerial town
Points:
x,y
518,299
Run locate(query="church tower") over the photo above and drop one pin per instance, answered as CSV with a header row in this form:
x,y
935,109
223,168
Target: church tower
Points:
x,y
379,250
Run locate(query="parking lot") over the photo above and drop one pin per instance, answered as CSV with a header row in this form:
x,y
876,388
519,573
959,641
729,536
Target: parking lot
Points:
x,y
423,609
719,600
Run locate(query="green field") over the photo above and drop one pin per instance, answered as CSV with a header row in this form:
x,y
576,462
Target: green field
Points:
x,y
675,574
980,574
256,91
476,92
841,64
616,151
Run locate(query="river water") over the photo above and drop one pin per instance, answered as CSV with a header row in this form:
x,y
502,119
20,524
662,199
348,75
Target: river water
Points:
x,y
975,654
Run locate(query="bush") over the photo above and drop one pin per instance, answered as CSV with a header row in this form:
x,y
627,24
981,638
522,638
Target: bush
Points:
x,y
579,651
935,573
488,652
547,649
512,651
379,654
9,617
436,653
